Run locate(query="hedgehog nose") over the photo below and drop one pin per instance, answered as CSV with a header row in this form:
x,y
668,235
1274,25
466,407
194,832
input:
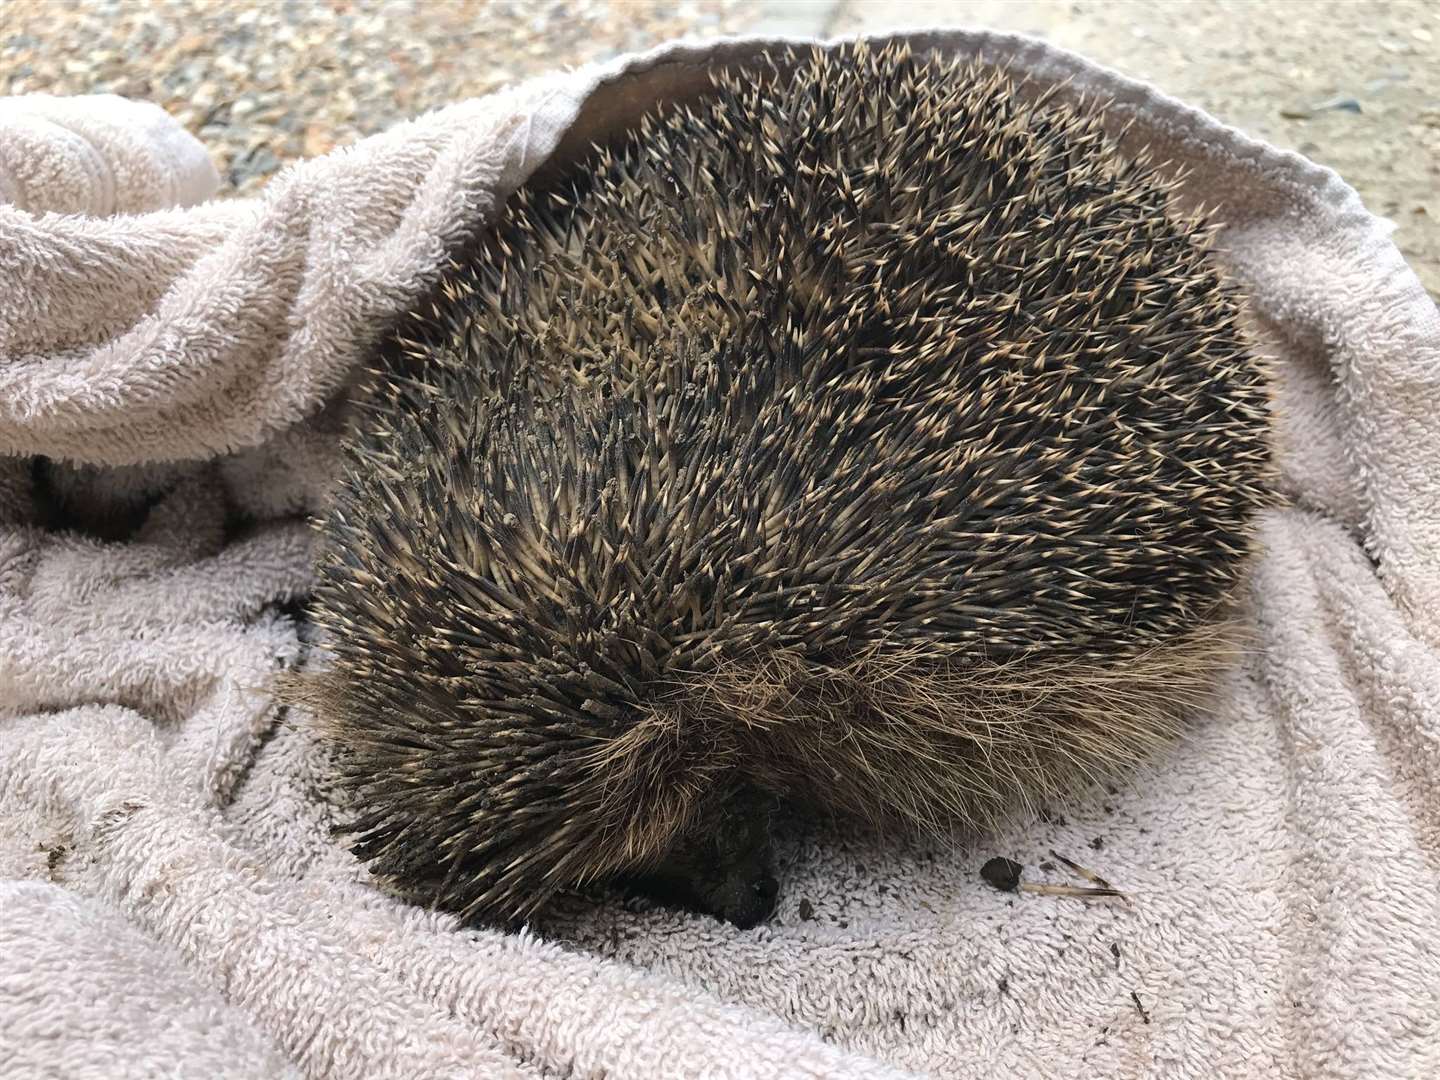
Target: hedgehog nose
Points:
x,y
767,888
755,906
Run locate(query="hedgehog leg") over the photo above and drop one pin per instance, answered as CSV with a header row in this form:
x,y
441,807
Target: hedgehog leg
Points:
x,y
723,867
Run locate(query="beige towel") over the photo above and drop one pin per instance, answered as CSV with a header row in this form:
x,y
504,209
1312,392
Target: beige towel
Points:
x,y
171,903
98,155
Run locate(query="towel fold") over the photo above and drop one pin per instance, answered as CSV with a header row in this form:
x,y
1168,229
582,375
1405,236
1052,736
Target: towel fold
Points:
x,y
98,155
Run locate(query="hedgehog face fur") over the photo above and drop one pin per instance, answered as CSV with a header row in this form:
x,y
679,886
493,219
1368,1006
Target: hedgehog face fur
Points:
x,y
864,437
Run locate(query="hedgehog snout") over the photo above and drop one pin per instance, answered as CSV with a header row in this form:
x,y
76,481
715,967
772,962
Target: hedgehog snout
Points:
x,y
747,902
723,866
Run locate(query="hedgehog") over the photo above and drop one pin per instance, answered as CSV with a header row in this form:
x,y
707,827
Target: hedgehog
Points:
x,y
866,436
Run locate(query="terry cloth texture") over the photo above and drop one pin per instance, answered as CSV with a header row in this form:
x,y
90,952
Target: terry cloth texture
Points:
x,y
171,902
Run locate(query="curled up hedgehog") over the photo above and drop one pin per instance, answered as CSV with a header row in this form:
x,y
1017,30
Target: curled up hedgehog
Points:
x,y
864,436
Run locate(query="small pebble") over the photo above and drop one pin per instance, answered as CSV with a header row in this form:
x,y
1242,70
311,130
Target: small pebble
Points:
x,y
1001,873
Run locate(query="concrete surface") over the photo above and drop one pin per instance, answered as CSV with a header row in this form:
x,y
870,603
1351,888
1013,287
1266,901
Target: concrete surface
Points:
x,y
1350,84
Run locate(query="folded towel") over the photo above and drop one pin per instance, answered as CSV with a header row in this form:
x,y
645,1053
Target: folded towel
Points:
x,y
173,902
98,155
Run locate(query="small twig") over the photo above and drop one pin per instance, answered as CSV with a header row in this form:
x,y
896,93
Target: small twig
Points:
x,y
1004,874
1068,890
1088,875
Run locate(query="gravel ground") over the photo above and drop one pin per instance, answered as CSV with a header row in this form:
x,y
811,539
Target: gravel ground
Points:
x,y
265,83
1352,85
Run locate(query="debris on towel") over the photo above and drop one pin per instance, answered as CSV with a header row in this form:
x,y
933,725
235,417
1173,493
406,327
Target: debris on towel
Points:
x,y
1103,887
1004,874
